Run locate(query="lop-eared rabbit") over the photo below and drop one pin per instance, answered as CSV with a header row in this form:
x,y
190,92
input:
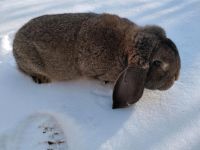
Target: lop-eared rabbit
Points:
x,y
102,46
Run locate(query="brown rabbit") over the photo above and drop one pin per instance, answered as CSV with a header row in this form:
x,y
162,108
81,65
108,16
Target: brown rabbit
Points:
x,y
102,46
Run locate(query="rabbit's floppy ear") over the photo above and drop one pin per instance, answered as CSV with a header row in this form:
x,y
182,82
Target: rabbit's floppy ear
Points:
x,y
129,87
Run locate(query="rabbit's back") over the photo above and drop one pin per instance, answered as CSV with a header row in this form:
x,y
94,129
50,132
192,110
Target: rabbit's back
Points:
x,y
46,45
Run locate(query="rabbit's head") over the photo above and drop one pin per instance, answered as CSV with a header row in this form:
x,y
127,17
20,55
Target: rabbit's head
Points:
x,y
164,66
153,63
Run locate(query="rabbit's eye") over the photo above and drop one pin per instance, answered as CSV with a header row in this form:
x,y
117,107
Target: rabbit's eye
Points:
x,y
157,63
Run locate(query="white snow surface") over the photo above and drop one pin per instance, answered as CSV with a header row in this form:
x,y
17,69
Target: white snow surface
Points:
x,y
81,110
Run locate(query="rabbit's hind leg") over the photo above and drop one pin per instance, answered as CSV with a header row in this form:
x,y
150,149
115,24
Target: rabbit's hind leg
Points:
x,y
37,78
30,62
40,79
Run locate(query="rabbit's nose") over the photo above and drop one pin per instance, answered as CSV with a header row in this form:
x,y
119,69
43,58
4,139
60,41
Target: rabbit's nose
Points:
x,y
167,85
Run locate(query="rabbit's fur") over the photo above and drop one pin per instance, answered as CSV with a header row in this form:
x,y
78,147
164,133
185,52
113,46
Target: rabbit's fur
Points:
x,y
102,46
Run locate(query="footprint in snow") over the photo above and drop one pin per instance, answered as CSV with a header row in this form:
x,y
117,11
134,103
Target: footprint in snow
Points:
x,y
40,132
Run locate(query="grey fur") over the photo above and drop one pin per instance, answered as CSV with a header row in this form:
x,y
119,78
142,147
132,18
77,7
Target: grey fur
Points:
x,y
69,46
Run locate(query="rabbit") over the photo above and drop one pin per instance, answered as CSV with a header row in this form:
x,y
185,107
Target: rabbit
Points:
x,y
101,46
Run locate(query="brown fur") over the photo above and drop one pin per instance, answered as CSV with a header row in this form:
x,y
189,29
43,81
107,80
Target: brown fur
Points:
x,y
68,46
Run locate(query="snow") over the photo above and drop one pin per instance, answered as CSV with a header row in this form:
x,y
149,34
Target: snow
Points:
x,y
81,109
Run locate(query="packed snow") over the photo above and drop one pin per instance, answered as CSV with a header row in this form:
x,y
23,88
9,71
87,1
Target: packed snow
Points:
x,y
78,113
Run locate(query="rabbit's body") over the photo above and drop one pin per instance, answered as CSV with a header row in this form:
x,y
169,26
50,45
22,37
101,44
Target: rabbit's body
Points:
x,y
103,46
68,46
